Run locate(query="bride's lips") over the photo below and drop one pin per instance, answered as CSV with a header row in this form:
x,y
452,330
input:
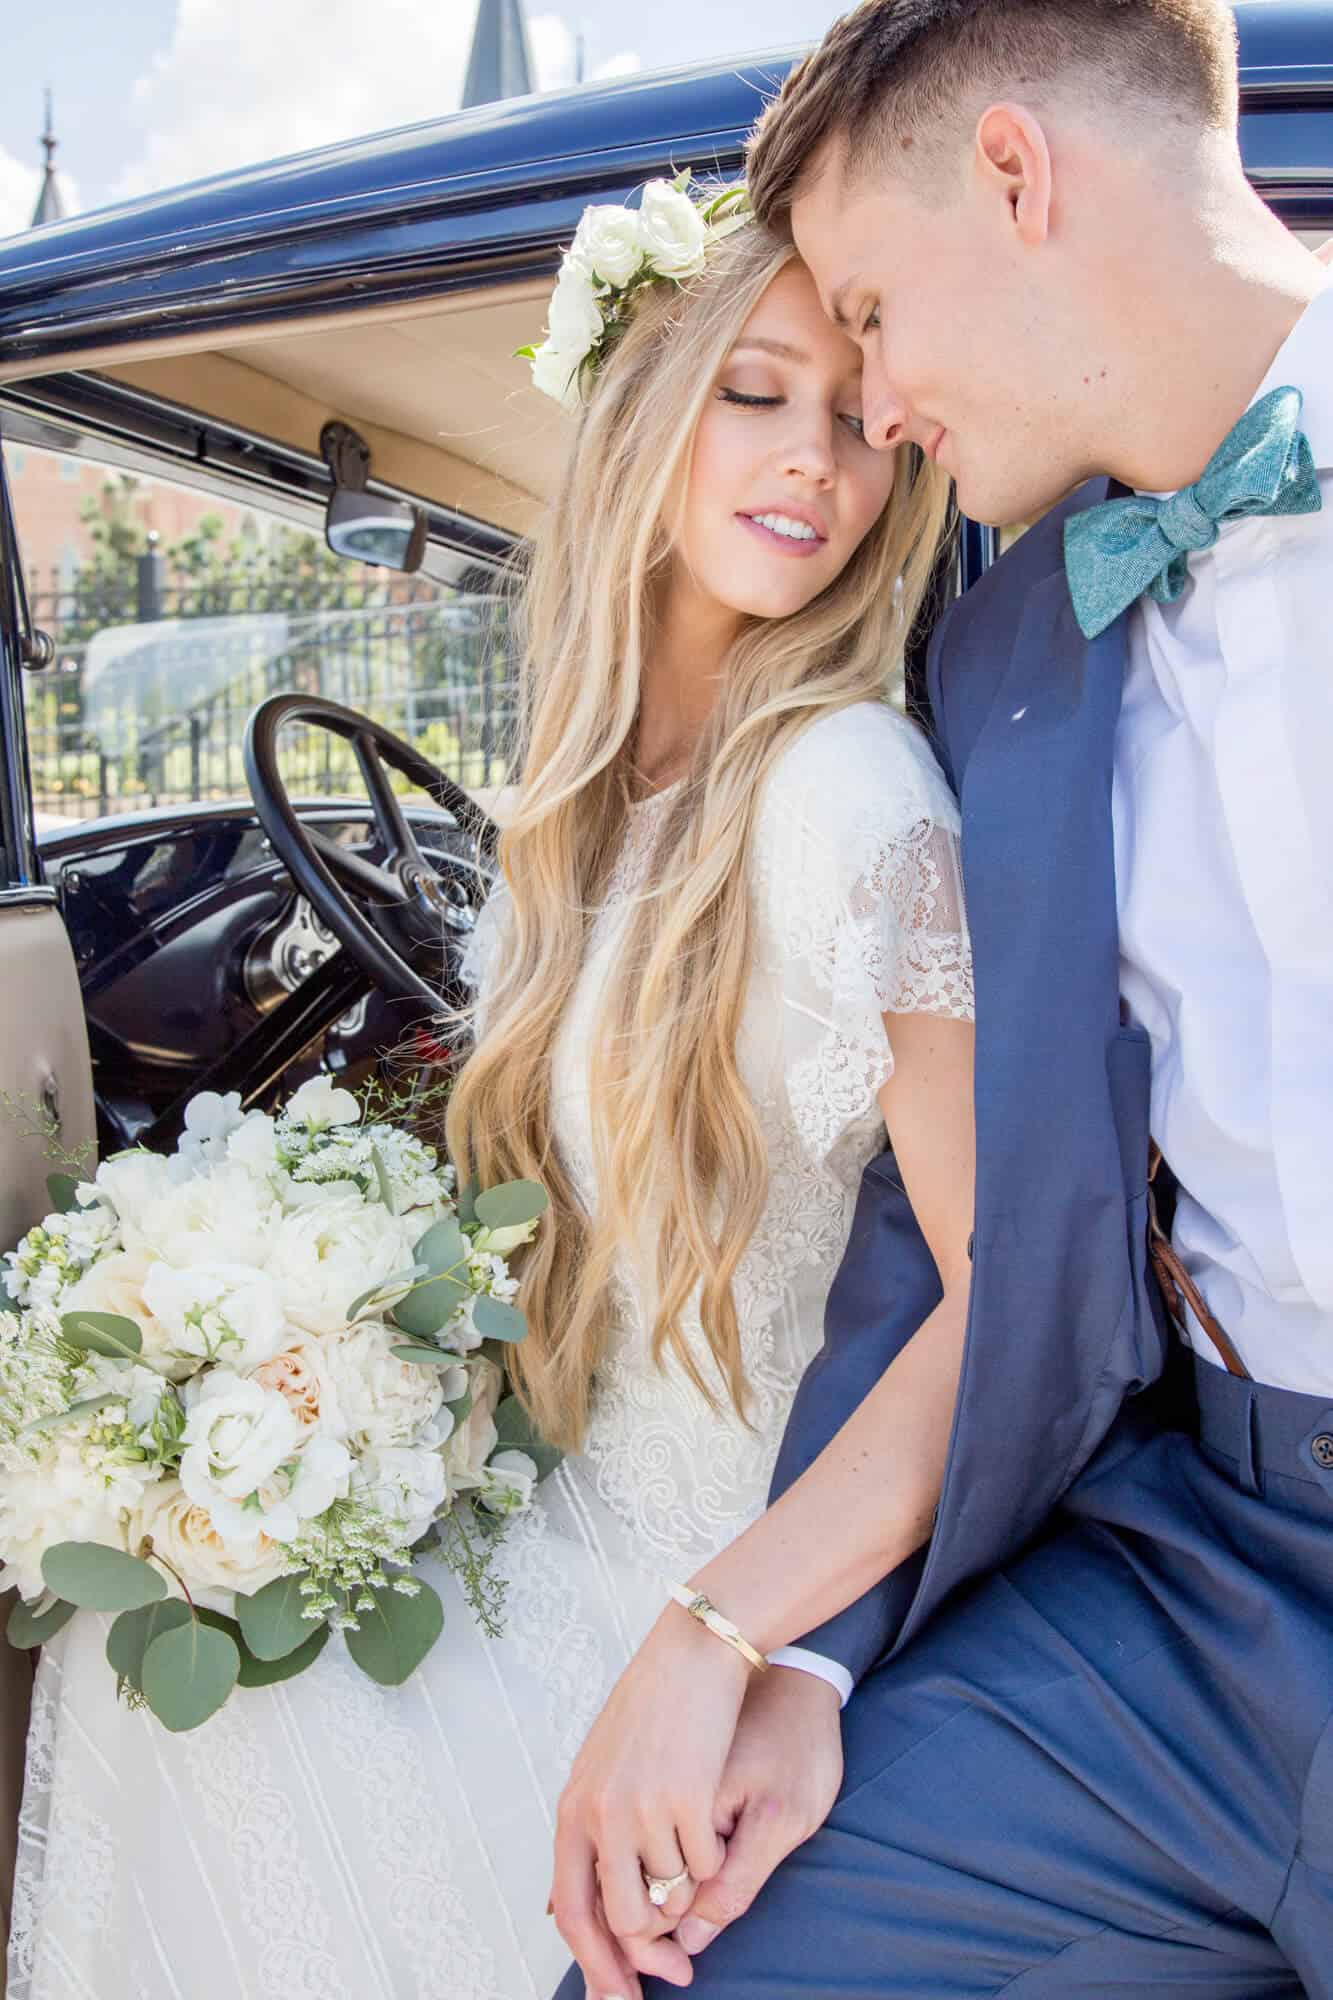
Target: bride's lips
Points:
x,y
785,544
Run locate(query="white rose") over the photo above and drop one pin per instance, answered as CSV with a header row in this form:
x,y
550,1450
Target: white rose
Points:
x,y
384,1401
237,1434
406,1485
323,1257
301,1375
608,244
556,374
474,1440
508,1483
61,1495
228,1312
673,232
573,321
213,1568
116,1285
499,1242
319,1103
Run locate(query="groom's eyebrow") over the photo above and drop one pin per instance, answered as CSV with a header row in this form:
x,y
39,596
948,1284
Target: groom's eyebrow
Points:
x,y
778,347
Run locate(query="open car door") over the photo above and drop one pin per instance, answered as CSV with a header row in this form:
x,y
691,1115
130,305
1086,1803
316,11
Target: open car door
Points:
x,y
46,1098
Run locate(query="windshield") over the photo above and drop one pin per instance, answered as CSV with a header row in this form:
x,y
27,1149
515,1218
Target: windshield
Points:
x,y
174,611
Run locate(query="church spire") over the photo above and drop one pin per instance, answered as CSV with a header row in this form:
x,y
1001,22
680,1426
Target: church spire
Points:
x,y
500,64
50,202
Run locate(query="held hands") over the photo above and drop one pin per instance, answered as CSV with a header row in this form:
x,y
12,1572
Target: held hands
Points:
x,y
694,1764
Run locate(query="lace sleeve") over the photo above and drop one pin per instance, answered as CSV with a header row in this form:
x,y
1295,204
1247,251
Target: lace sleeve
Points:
x,y
864,905
477,964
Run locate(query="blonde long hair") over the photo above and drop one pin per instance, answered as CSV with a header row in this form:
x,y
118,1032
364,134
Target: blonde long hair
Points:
x,y
676,1135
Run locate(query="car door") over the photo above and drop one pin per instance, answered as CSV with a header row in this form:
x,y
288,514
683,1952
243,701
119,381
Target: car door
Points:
x,y
46,1099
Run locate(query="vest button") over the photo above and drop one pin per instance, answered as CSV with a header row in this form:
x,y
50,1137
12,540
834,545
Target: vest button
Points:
x,y
1321,1451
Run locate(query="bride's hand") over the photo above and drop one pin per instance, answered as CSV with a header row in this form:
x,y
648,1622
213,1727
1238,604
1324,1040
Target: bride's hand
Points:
x,y
643,1797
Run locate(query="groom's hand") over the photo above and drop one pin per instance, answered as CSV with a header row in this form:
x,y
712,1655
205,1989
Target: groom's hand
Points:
x,y
778,1788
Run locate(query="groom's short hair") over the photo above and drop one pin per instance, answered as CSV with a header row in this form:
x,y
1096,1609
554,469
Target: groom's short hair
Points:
x,y
897,81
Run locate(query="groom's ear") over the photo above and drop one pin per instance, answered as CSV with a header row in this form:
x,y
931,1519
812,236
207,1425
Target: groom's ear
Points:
x,y
1013,162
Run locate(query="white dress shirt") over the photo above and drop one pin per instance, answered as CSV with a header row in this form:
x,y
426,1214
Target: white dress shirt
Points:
x,y
1223,808
1223,811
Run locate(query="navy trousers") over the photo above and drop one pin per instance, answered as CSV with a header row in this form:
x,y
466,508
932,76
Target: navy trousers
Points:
x,y
1107,1770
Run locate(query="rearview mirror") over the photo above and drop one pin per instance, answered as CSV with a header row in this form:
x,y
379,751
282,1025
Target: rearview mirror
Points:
x,y
362,526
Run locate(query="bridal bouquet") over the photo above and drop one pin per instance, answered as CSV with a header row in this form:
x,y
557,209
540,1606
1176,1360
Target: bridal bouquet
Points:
x,y
243,1386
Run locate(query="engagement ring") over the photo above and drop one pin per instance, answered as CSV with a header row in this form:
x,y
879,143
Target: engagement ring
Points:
x,y
660,1887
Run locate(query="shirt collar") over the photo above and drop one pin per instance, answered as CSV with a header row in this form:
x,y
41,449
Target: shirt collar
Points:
x,y
1305,362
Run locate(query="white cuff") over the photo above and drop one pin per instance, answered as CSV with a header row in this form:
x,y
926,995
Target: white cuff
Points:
x,y
823,1669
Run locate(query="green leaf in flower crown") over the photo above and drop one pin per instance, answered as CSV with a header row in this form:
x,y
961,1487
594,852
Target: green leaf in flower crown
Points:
x,y
54,1418
102,1333
397,1634
188,1674
272,1620
514,1432
100,1579
257,1673
433,1300
383,1182
30,1627
511,1204
495,1320
384,1286
63,1192
133,1633
525,354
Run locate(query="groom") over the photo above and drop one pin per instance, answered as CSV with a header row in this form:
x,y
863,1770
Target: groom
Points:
x,y
1090,1747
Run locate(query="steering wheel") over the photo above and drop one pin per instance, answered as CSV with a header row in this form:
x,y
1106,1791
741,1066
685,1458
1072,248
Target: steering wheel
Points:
x,y
414,903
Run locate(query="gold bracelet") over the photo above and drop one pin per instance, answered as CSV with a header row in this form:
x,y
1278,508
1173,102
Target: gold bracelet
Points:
x,y
708,1615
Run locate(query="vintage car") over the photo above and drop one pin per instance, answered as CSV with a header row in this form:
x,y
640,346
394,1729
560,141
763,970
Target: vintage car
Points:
x,y
245,776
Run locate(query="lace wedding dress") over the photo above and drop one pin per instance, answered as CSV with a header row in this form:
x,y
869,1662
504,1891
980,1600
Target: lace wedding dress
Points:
x,y
333,1840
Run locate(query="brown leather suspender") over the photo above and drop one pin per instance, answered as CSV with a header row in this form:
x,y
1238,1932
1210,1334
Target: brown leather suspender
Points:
x,y
1177,1285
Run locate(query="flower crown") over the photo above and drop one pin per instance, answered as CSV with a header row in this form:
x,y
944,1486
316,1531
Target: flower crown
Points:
x,y
615,253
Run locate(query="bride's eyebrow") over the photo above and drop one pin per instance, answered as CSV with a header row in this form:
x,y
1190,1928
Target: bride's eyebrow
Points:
x,y
779,347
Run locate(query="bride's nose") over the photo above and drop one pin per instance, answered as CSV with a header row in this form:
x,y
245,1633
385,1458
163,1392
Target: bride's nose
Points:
x,y
810,456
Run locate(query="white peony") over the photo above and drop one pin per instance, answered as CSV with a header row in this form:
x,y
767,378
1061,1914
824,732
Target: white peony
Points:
x,y
213,1568
573,321
237,1434
132,1182
212,1312
319,1103
222,1215
608,245
325,1255
406,1485
383,1401
673,232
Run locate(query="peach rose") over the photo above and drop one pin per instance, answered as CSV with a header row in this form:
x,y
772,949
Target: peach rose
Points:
x,y
299,1376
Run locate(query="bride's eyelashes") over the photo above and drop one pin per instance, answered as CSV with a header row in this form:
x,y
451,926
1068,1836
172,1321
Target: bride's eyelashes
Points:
x,y
740,398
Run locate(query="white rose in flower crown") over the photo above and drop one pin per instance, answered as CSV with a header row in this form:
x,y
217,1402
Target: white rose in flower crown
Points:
x,y
556,374
672,231
608,244
227,1312
237,1434
319,1103
324,1256
383,1401
405,1484
212,1567
573,320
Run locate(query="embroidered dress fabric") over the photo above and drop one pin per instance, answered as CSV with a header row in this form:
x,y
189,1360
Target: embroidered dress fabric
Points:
x,y
333,1838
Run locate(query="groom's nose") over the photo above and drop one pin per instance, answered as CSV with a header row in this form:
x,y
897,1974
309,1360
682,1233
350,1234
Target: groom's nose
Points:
x,y
884,412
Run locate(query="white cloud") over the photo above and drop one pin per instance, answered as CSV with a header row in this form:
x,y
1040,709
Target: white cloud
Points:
x,y
555,54
244,81
19,188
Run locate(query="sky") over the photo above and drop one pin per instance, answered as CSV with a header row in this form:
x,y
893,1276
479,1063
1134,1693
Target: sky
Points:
x,y
151,93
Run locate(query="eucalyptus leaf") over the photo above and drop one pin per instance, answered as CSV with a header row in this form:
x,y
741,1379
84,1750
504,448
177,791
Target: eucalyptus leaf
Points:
x,y
495,1320
431,1301
62,1192
134,1631
257,1673
396,1635
383,1181
30,1627
467,1200
54,1418
514,1432
443,1247
460,1410
389,1284
102,1333
428,1357
188,1674
511,1204
272,1620
100,1579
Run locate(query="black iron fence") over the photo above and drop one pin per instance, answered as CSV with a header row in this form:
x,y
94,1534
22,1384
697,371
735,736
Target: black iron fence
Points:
x,y
153,680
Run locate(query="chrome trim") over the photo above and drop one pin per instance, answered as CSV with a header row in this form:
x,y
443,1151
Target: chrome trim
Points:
x,y
36,895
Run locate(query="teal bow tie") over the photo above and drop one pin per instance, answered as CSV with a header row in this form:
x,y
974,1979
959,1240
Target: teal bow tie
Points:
x,y
1116,552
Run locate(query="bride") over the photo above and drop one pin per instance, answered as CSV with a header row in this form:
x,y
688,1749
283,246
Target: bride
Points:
x,y
729,929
